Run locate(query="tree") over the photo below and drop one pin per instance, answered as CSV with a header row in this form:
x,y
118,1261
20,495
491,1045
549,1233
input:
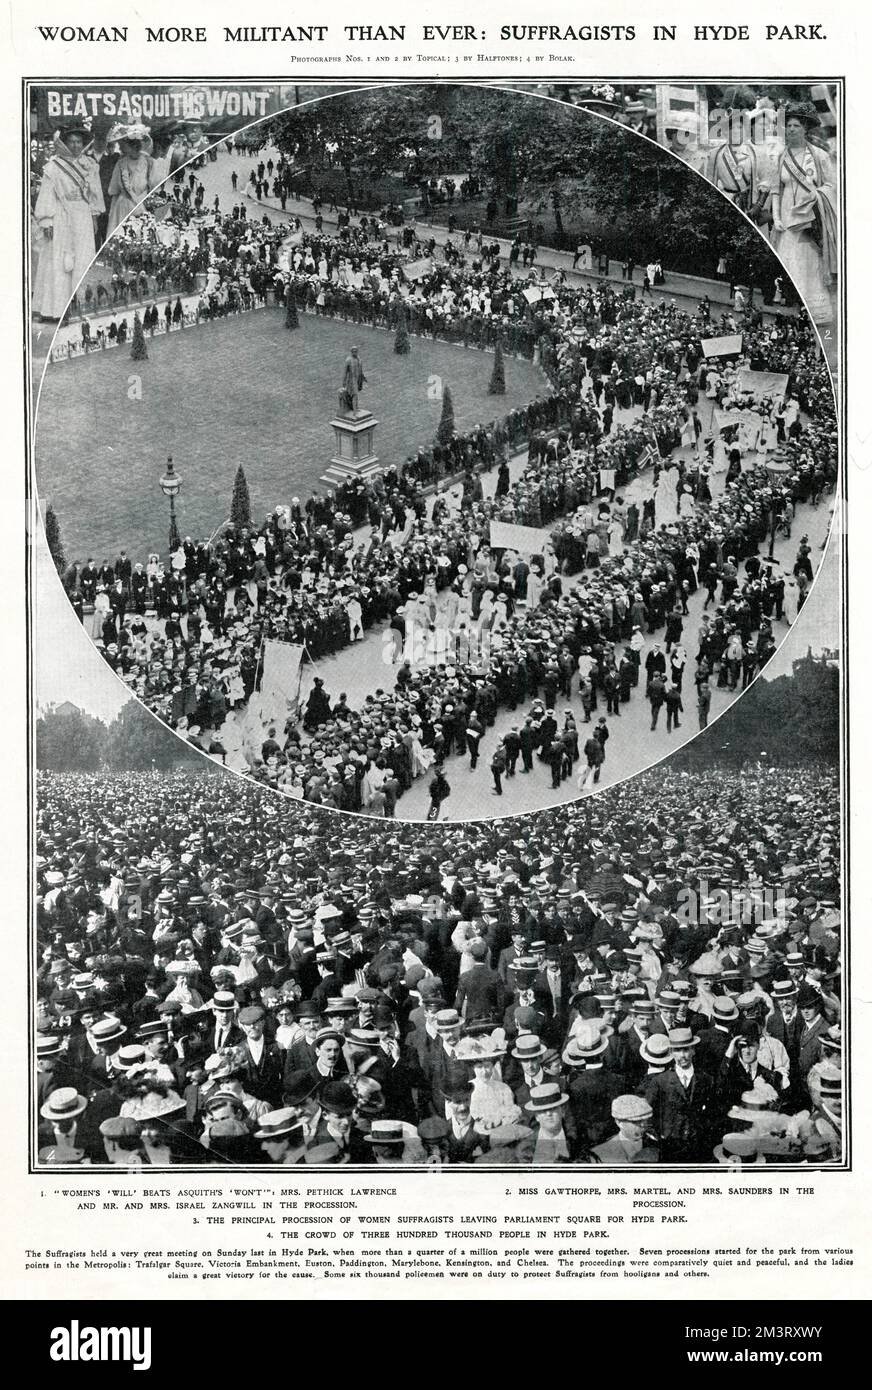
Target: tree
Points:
x,y
240,507
292,318
401,337
138,741
138,350
497,385
68,740
53,539
445,432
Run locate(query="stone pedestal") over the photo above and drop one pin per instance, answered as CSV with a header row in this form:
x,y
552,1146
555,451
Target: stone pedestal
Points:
x,y
353,453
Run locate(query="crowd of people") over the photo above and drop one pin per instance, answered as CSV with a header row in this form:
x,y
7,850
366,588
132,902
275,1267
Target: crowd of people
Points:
x,y
650,976
486,628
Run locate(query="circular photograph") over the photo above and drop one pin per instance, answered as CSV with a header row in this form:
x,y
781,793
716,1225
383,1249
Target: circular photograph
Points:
x,y
434,452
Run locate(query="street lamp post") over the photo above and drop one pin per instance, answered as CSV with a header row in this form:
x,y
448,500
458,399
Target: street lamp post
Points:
x,y
777,468
170,486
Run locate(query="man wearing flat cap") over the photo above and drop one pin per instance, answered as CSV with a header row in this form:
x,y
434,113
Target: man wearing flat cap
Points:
x,y
633,1142
264,1062
122,1142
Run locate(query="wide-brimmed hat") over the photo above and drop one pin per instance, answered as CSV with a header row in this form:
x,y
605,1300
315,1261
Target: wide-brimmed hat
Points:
x,y
549,1096
682,1037
528,1048
277,1124
504,1135
656,1050
784,989
63,1104
153,1106
741,1146
707,966
107,1030
447,1020
386,1132
725,1010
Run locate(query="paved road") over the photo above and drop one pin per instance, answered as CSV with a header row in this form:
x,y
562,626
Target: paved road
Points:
x,y
368,665
687,290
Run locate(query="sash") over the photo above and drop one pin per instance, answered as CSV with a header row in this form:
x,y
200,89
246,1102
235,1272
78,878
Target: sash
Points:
x,y
74,173
725,168
819,201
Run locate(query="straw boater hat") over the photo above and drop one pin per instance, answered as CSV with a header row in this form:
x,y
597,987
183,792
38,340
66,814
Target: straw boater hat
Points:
x,y
528,1048
741,1146
63,1104
279,1124
656,1050
546,1097
756,1107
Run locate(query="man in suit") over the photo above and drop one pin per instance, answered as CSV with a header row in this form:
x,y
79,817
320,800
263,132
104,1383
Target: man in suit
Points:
x,y
464,1142
667,1010
523,1069
714,1041
740,1068
301,1055
814,1023
553,983
328,986
52,1072
785,1022
592,1087
480,991
510,954
422,1033
441,1061
262,1076
105,161
681,1100
107,1035
62,1125
630,1039
225,1031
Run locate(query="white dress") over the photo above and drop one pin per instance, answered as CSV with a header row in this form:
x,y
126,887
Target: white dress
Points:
x,y
69,199
131,180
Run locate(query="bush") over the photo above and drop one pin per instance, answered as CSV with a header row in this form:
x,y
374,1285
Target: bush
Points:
x,y
497,385
138,350
240,507
445,432
401,337
53,539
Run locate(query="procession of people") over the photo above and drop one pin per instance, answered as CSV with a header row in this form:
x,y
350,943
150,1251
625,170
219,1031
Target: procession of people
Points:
x,y
476,628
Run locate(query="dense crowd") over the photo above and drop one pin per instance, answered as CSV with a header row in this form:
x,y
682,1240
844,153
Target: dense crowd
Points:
x,y
651,976
485,628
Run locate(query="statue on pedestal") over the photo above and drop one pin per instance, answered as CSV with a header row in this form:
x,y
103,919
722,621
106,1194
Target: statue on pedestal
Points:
x,y
352,383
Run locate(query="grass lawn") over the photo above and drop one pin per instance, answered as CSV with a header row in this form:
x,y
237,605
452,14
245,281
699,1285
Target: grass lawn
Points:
x,y
247,391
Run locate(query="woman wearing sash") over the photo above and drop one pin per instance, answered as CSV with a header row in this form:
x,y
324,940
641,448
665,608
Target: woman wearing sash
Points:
x,y
805,228
134,175
69,199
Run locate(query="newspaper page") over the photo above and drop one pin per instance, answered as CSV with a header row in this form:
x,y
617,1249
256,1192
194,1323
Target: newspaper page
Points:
x,y
428,713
